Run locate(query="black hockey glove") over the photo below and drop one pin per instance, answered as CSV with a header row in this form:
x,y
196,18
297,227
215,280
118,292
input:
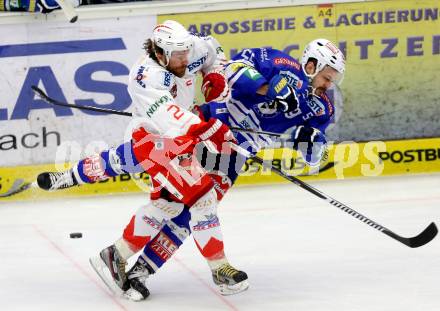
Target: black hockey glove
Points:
x,y
311,143
282,95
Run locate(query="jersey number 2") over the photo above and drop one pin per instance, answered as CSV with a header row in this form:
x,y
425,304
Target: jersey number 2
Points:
x,y
177,114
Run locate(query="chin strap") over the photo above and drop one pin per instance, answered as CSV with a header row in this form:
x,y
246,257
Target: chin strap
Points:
x,y
310,77
312,91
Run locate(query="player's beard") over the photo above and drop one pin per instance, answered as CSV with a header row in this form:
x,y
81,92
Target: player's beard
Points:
x,y
320,90
178,72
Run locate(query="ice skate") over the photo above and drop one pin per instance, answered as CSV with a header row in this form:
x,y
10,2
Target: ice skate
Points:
x,y
230,280
137,277
110,267
56,180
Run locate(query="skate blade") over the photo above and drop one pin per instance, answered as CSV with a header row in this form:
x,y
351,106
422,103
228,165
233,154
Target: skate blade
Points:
x,y
101,269
227,290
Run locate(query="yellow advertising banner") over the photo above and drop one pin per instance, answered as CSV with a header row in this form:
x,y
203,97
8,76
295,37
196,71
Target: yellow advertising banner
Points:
x,y
345,160
392,49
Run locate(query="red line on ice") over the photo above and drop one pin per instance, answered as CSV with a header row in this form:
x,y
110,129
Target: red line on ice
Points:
x,y
212,290
77,265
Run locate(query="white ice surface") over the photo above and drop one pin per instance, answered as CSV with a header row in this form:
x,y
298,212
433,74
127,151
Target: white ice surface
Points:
x,y
300,252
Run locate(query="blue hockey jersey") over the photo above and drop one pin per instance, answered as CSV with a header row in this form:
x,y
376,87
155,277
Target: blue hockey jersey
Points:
x,y
246,73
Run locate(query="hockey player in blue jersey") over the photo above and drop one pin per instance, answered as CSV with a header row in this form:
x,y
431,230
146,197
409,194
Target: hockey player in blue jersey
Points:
x,y
270,91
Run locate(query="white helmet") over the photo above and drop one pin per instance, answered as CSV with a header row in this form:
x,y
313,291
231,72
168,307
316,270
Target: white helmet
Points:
x,y
172,36
326,54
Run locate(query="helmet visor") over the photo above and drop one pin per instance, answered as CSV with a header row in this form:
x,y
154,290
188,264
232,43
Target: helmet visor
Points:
x,y
180,55
333,75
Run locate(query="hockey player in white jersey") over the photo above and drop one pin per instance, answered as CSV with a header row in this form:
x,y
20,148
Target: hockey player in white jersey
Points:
x,y
161,85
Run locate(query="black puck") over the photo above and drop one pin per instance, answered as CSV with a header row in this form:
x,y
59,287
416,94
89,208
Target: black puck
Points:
x,y
76,235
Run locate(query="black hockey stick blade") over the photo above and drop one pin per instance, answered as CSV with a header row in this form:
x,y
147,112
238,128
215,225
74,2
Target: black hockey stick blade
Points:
x,y
55,102
424,237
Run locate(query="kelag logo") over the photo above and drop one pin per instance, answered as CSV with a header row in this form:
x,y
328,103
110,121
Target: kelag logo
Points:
x,y
45,76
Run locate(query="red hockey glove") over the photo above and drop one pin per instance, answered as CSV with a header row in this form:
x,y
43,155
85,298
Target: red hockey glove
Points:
x,y
215,86
215,133
198,112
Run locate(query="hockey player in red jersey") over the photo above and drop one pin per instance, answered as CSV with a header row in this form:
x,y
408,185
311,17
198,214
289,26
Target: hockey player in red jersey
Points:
x,y
164,146
161,85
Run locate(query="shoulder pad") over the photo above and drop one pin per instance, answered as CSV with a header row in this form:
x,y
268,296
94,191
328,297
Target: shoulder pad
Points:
x,y
321,107
296,80
154,77
286,62
197,62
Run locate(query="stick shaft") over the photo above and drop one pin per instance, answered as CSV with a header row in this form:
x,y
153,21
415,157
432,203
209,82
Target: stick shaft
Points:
x,y
68,10
421,239
44,96
279,135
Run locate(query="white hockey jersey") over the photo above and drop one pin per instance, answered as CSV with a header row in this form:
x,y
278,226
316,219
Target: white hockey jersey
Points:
x,y
163,100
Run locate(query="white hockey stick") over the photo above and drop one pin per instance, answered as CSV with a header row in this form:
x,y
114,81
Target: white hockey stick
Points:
x,y
18,186
68,10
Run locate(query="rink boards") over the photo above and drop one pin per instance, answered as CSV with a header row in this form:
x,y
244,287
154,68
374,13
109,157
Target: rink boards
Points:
x,y
346,160
390,45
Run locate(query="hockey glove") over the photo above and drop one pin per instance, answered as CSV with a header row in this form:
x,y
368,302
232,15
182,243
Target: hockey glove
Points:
x,y
216,135
311,143
282,94
215,86
198,111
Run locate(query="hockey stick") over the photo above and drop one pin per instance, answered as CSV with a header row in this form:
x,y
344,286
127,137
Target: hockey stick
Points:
x,y
419,240
17,187
68,10
279,135
424,237
55,102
